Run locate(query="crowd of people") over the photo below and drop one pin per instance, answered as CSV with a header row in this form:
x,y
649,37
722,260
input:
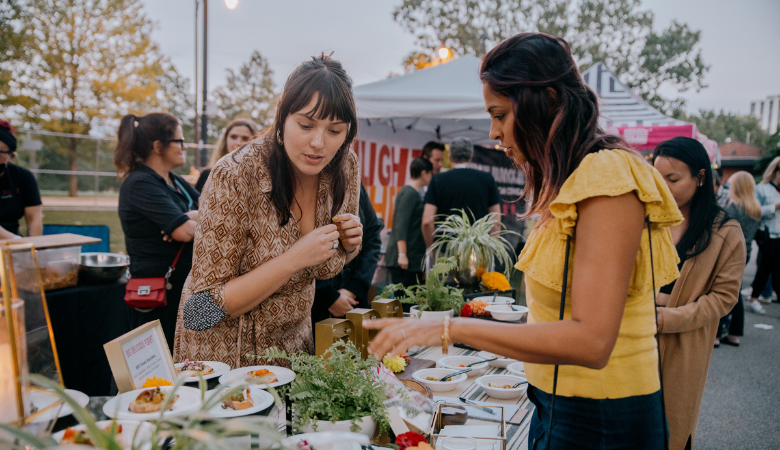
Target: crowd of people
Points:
x,y
628,271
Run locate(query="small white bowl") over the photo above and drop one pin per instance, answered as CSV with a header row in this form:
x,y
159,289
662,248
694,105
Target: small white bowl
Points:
x,y
507,313
502,362
459,363
516,369
439,386
505,394
498,301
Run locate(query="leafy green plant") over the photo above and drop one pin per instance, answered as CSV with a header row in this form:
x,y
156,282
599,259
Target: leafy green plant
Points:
x,y
196,431
340,387
463,239
433,295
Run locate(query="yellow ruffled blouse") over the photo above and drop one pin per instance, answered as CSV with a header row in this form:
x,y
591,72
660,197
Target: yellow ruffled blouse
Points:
x,y
632,367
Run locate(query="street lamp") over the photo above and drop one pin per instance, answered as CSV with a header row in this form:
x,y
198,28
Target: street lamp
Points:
x,y
231,4
444,53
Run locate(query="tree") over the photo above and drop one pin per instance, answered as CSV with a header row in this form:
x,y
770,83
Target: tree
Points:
x,y
249,93
12,48
616,32
175,96
721,125
94,61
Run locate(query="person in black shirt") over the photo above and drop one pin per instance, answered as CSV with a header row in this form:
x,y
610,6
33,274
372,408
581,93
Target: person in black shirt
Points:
x,y
157,208
406,246
19,196
236,133
349,289
472,190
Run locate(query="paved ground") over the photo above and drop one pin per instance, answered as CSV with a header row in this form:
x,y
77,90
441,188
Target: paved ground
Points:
x,y
741,404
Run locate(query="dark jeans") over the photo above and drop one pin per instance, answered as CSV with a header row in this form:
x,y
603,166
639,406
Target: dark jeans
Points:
x,y
634,423
769,265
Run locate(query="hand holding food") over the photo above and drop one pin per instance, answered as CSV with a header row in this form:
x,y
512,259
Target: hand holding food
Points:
x,y
316,247
350,231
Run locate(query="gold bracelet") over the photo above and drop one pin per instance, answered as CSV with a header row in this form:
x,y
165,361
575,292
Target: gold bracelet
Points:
x,y
445,336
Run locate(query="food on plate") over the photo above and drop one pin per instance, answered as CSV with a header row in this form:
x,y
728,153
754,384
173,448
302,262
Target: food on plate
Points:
x,y
261,376
150,400
436,379
500,386
478,308
238,401
193,368
81,437
156,382
408,440
397,364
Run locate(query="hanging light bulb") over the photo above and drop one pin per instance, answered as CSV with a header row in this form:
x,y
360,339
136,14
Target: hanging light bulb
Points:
x,y
231,4
444,53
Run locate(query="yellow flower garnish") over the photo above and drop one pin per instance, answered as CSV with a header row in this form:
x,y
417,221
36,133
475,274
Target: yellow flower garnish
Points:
x,y
397,364
155,382
495,281
480,272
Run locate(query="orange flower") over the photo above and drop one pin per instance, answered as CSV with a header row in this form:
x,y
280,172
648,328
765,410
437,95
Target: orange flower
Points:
x,y
155,382
495,281
480,272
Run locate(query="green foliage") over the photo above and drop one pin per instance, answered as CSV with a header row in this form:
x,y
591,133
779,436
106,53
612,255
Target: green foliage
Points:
x,y
460,238
720,125
249,93
433,295
196,431
341,387
772,145
13,47
616,32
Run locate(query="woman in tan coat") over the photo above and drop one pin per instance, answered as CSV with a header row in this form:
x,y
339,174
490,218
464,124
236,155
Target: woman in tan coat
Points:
x,y
712,253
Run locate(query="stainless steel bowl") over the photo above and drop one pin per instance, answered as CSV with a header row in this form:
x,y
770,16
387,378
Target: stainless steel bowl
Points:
x,y
103,267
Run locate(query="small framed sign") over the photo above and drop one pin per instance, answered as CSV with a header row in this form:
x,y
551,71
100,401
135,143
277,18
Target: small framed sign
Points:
x,y
140,354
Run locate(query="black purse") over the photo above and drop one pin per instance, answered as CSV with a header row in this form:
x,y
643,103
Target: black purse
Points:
x,y
658,346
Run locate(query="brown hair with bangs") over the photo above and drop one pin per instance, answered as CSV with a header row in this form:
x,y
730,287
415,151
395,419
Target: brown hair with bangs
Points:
x,y
326,77
556,113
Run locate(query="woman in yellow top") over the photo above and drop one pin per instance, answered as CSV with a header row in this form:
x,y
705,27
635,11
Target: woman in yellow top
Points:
x,y
587,185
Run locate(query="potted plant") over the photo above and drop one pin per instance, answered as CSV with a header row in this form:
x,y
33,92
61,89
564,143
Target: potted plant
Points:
x,y
434,299
473,246
339,393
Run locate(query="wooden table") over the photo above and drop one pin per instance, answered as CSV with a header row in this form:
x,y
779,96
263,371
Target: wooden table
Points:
x,y
516,435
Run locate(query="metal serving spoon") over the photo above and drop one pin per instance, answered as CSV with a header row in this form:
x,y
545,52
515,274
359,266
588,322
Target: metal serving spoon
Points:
x,y
480,362
467,369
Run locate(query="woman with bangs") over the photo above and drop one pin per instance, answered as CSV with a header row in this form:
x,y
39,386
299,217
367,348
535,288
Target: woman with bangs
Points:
x,y
589,348
277,213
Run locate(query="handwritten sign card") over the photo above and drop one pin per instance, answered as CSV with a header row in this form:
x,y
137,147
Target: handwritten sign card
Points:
x,y
140,354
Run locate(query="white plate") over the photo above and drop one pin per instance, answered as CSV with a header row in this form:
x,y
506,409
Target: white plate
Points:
x,y
188,402
41,400
237,377
517,368
439,386
501,393
328,440
144,436
219,370
502,362
499,300
260,397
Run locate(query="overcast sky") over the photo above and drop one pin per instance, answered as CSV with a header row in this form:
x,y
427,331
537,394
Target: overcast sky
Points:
x,y
740,40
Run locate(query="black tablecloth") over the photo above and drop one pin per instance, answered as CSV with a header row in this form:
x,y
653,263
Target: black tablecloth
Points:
x,y
83,319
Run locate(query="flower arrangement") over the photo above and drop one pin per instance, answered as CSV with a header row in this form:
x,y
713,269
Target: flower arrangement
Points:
x,y
409,440
433,295
397,364
341,387
495,281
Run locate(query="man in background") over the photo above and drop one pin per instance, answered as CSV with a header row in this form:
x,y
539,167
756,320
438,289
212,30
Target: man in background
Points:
x,y
433,151
472,190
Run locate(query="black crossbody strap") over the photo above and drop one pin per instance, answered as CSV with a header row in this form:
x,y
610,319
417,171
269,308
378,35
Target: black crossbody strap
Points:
x,y
658,343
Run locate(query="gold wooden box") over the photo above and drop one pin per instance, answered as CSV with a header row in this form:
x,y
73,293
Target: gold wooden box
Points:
x,y
388,308
358,316
330,331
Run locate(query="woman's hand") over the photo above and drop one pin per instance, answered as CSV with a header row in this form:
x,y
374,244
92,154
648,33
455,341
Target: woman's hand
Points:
x,y
403,261
350,231
660,313
193,215
343,304
398,335
315,247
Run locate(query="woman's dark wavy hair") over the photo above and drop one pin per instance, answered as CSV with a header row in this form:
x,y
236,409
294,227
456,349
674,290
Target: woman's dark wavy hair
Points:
x,y
705,213
325,76
136,136
556,113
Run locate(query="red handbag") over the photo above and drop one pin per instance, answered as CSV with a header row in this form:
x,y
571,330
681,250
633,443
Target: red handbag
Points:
x,y
150,292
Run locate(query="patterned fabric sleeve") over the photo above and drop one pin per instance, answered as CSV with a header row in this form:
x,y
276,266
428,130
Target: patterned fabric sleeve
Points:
x,y
219,244
333,266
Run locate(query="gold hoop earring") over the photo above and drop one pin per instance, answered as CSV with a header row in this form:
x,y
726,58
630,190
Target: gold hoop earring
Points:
x,y
279,138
